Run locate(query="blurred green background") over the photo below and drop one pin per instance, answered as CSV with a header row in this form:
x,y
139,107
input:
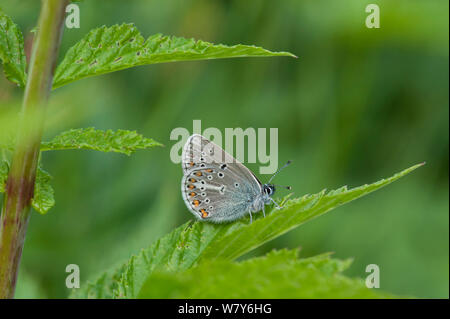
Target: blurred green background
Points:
x,y
358,105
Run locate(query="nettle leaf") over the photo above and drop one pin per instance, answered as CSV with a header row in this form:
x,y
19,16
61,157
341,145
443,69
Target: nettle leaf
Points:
x,y
12,51
195,242
120,141
43,198
108,49
4,169
279,274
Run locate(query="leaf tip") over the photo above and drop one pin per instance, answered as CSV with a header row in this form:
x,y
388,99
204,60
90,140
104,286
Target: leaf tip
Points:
x,y
289,54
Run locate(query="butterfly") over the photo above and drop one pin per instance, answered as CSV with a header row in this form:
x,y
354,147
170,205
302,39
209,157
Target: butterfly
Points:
x,y
218,188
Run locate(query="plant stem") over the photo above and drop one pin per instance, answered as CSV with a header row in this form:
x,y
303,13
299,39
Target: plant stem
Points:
x,y
20,183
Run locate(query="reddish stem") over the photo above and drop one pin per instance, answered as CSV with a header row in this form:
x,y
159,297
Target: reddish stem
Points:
x,y
20,183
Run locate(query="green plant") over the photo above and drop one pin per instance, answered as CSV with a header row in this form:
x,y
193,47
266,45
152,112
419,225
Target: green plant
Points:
x,y
103,50
189,248
190,245
279,274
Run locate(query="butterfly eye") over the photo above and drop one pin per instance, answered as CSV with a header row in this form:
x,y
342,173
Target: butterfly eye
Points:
x,y
268,190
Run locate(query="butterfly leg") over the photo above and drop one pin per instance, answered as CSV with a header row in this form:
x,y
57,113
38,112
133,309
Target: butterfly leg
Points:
x,y
278,206
264,213
250,212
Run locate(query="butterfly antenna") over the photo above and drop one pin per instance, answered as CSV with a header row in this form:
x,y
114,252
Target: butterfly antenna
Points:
x,y
287,187
288,162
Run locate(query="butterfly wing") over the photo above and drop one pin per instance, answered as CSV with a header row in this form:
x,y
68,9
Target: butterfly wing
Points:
x,y
215,185
200,152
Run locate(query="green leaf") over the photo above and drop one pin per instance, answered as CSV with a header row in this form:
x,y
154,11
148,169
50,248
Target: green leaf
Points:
x,y
120,141
108,49
12,52
194,242
4,169
279,274
43,198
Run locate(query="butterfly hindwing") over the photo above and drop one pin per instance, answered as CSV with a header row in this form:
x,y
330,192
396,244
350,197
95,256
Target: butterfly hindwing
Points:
x,y
216,186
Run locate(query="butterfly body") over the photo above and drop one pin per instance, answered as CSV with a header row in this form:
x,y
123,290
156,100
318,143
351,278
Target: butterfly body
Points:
x,y
218,188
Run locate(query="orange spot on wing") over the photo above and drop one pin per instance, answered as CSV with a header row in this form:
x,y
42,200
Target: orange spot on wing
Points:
x,y
198,173
191,164
192,194
191,186
196,202
192,180
204,213
209,170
